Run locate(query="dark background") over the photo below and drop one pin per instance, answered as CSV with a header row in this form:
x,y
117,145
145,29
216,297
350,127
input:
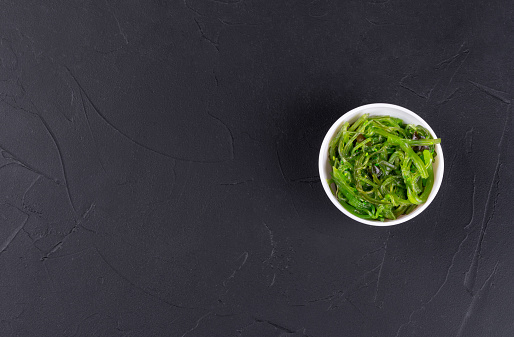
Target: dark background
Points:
x,y
159,173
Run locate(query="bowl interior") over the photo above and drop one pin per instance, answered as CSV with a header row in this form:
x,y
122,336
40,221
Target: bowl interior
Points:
x,y
380,109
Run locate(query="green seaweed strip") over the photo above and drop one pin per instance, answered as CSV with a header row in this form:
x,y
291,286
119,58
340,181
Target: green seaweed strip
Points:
x,y
430,181
335,141
354,211
358,122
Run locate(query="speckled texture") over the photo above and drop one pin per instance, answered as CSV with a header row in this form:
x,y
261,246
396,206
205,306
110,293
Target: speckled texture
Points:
x,y
158,174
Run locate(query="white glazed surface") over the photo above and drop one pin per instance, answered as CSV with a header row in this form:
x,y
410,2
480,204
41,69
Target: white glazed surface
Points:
x,y
408,117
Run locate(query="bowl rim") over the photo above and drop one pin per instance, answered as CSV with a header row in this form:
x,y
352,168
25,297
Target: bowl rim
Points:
x,y
323,158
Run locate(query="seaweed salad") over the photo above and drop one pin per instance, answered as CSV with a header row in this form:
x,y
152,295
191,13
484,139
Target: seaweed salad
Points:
x,y
381,167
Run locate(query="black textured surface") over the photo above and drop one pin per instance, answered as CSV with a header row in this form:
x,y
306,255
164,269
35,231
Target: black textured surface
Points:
x,y
159,176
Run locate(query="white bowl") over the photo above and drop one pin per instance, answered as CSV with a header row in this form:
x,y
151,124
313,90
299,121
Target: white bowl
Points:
x,y
408,117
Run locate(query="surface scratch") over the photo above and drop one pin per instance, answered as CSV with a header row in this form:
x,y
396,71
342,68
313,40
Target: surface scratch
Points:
x,y
9,155
98,155
409,321
197,324
280,167
122,33
448,271
341,293
13,235
363,257
237,182
245,257
124,135
191,8
490,209
446,278
381,267
273,280
472,203
471,274
287,181
413,91
499,95
50,280
23,204
466,54
78,223
278,326
59,153
126,279
380,24
473,305
452,58
469,150
229,132
215,44
273,243
227,2
306,180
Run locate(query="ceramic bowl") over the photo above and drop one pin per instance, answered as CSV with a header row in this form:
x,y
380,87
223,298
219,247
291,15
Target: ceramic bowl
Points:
x,y
408,117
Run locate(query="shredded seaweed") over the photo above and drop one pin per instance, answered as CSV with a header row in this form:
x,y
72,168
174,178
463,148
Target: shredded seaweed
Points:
x,y
381,167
